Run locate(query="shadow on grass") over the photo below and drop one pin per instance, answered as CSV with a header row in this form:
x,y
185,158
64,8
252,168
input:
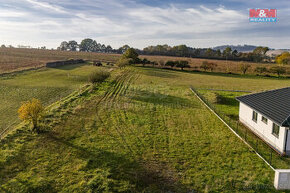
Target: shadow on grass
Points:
x,y
223,100
159,73
157,98
232,75
69,66
121,168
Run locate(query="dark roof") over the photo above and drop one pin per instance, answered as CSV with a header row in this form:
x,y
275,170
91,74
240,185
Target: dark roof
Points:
x,y
273,104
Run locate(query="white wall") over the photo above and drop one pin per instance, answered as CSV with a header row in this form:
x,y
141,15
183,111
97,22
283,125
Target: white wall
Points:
x,y
262,129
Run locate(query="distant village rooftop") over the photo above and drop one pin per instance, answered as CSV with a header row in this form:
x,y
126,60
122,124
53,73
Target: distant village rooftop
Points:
x,y
274,104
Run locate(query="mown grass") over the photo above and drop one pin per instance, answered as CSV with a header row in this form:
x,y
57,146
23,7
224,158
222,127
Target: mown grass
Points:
x,y
143,131
47,85
227,106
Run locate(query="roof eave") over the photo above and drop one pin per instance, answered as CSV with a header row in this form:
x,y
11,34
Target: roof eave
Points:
x,y
286,123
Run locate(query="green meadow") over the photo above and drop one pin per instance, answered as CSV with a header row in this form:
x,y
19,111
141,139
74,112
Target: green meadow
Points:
x,y
143,130
47,85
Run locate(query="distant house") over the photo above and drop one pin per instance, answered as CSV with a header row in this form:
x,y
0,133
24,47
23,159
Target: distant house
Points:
x,y
267,114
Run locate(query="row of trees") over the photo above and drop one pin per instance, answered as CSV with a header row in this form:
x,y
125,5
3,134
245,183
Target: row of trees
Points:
x,y
90,45
86,45
258,55
132,57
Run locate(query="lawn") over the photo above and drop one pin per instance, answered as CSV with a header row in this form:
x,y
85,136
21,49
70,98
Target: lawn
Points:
x,y
226,105
47,85
142,131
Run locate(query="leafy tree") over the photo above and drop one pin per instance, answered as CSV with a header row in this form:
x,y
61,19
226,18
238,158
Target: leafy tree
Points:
x,y
145,61
123,49
218,53
261,70
196,52
123,62
31,111
261,50
109,49
131,54
170,63
244,67
212,66
183,64
3,46
63,46
205,65
209,52
279,70
208,66
88,45
283,58
259,53
181,50
72,45
227,52
235,53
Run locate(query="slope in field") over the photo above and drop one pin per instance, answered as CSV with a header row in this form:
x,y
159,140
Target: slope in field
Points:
x,y
138,132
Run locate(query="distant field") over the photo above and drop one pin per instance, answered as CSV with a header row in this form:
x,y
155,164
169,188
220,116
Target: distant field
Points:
x,y
48,85
14,59
222,65
143,131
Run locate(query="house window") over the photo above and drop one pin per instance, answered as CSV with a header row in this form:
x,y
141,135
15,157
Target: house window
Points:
x,y
265,120
275,130
255,116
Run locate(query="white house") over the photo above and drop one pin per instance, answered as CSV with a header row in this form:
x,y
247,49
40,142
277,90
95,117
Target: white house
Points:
x,y
267,114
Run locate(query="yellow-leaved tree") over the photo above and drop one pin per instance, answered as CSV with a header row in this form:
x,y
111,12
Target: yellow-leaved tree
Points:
x,y
283,58
31,111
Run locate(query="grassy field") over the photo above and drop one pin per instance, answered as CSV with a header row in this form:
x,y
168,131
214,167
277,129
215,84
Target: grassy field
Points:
x,y
222,65
226,105
48,85
15,59
142,131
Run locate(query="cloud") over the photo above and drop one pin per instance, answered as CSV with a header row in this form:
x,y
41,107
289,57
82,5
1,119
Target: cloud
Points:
x,y
116,22
46,6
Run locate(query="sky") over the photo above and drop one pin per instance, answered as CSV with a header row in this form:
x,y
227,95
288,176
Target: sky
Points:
x,y
141,23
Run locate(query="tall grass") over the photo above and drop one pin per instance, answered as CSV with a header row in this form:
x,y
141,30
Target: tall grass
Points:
x,y
99,75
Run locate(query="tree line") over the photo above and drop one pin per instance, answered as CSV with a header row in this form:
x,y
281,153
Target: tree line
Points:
x,y
258,55
90,45
131,57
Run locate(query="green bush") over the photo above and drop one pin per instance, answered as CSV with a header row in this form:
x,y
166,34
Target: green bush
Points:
x,y
261,70
124,62
99,76
279,70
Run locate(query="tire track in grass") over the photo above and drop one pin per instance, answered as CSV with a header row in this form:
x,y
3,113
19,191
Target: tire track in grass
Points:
x,y
117,116
110,100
